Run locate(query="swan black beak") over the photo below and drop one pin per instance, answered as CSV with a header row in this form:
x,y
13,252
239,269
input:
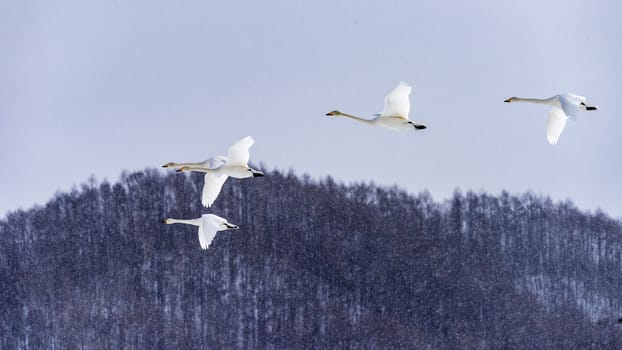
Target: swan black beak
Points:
x,y
330,114
231,226
508,100
258,174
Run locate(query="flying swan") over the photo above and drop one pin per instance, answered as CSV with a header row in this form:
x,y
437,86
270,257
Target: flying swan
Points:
x,y
219,168
563,106
209,225
395,114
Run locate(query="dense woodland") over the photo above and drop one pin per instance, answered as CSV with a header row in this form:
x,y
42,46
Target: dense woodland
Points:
x,y
315,265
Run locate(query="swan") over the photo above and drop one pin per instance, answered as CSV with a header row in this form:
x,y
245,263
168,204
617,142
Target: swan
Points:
x,y
563,106
208,225
220,168
395,114
212,183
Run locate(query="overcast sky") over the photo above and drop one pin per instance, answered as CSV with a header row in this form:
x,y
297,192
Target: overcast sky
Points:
x,y
95,88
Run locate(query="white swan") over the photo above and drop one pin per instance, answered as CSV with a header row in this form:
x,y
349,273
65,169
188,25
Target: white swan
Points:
x,y
212,184
209,225
395,114
563,106
217,171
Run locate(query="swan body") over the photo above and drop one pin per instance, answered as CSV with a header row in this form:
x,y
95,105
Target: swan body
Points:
x,y
233,170
395,113
209,225
219,168
563,106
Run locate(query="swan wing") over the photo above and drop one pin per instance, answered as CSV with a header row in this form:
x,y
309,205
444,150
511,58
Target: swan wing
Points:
x,y
555,124
211,188
570,104
397,104
238,153
215,162
207,231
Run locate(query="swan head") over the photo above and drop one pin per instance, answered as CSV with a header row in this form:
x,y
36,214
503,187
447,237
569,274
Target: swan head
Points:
x,y
511,99
168,165
182,169
333,113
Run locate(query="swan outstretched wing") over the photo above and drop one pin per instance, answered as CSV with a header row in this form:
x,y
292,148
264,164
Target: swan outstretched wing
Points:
x,y
207,231
211,188
238,153
397,104
555,124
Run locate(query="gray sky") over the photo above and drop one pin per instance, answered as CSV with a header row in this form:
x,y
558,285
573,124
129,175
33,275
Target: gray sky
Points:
x,y
98,87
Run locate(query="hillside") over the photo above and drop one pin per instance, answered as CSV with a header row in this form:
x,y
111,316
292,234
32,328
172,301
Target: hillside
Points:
x,y
315,265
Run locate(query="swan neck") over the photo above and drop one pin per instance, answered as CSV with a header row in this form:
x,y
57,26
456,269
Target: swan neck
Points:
x,y
199,169
356,118
545,101
177,165
190,164
193,222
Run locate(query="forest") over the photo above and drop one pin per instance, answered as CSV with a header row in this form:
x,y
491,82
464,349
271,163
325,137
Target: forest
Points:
x,y
316,264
